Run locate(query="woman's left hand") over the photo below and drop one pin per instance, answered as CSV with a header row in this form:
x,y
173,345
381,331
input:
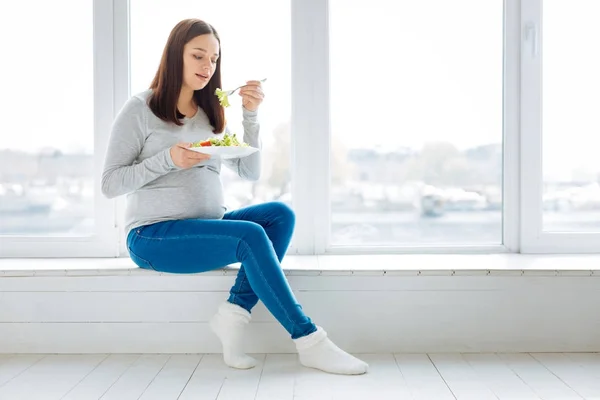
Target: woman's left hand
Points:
x,y
252,95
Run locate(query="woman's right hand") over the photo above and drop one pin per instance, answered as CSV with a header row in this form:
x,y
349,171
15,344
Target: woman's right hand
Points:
x,y
185,158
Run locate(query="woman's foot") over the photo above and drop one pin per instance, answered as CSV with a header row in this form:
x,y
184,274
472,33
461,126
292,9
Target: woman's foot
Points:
x,y
229,324
317,351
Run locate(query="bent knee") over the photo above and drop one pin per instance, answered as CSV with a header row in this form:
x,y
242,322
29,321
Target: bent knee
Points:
x,y
284,211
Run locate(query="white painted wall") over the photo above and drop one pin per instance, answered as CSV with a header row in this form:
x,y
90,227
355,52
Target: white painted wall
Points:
x,y
363,312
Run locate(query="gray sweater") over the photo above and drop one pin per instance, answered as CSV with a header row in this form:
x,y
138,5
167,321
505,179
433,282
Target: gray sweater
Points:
x,y
138,164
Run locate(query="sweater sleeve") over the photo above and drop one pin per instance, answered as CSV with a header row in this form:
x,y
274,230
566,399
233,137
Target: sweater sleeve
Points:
x,y
248,167
121,173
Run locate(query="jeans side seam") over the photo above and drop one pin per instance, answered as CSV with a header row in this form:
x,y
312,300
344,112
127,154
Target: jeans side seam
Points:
x,y
244,279
256,221
141,258
140,235
269,286
196,235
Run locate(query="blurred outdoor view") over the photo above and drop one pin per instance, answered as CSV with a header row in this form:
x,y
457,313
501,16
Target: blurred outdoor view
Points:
x,y
571,116
416,112
416,115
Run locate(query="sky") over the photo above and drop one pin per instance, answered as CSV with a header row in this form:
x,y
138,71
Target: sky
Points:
x,y
403,73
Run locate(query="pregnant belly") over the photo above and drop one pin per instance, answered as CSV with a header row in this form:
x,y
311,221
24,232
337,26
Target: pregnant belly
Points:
x,y
196,195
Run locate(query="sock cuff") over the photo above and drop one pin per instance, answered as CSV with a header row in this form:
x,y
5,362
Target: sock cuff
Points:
x,y
230,309
310,340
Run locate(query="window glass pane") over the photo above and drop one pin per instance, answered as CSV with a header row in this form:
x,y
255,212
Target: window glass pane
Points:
x,y
46,147
256,44
571,116
416,116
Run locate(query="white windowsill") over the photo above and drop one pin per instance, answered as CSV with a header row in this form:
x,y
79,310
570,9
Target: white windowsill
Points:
x,y
394,265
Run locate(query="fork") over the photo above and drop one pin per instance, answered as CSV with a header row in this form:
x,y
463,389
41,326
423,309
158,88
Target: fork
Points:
x,y
230,92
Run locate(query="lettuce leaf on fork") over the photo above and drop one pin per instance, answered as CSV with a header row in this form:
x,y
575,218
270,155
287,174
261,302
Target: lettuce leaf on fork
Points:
x,y
223,98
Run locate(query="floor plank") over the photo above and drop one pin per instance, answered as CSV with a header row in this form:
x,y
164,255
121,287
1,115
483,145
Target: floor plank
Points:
x,y
136,378
51,377
173,378
461,378
538,378
383,381
422,377
278,377
16,365
313,384
499,377
100,380
588,361
571,373
214,380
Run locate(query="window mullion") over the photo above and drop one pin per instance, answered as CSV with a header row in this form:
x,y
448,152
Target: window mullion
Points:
x,y
310,124
531,132
511,151
121,91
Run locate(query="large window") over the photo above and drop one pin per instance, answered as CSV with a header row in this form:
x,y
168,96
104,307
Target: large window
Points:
x,y
47,143
57,103
416,122
255,42
389,126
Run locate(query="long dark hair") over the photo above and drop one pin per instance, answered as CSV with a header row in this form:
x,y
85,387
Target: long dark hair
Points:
x,y
168,80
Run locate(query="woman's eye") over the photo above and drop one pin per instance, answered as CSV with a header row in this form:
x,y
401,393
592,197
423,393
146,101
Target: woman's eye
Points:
x,y
198,57
214,61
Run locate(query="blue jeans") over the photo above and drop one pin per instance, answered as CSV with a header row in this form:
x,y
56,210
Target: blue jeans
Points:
x,y
256,236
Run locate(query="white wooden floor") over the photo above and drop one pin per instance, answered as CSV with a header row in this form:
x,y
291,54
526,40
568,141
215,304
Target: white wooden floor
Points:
x,y
280,377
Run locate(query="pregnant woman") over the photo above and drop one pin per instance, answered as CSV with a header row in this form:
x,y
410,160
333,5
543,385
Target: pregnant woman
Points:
x,y
176,220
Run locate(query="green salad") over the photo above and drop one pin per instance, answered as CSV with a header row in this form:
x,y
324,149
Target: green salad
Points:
x,y
226,140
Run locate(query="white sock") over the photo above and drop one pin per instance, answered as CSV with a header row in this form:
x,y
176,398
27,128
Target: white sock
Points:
x,y
228,324
317,351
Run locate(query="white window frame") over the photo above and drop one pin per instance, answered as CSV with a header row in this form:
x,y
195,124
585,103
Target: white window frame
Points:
x,y
534,238
122,92
522,138
102,242
310,124
311,180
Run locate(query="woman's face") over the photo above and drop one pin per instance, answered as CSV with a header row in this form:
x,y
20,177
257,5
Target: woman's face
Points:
x,y
200,61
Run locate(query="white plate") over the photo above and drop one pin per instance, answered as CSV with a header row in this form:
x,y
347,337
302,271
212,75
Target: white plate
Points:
x,y
226,152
